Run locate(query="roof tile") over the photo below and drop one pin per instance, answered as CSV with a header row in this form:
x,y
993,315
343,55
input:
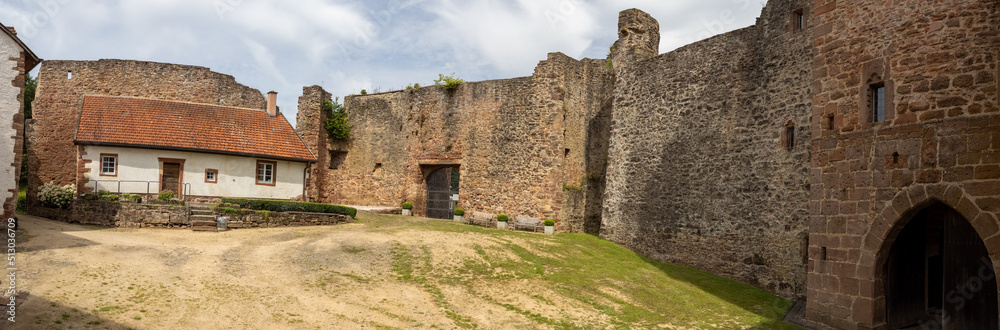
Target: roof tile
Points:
x,y
128,121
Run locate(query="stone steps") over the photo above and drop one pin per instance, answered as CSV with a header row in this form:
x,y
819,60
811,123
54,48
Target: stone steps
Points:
x,y
203,218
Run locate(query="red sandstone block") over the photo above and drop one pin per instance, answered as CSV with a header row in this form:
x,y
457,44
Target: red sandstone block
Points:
x,y
988,188
863,311
986,172
986,224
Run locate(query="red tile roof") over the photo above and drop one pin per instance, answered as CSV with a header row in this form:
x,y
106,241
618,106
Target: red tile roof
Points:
x,y
158,124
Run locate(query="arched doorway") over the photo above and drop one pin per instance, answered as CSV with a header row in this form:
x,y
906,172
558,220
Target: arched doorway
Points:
x,y
442,190
938,275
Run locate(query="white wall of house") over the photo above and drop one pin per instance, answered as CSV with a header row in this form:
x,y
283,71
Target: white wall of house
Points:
x,y
9,106
237,176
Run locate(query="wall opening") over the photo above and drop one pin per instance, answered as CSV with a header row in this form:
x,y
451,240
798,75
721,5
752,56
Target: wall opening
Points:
x,y
337,159
798,20
876,101
789,138
830,123
69,74
442,192
938,274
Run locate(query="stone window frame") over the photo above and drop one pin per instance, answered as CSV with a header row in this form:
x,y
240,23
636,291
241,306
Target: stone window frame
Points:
x,y
215,175
798,20
873,73
100,165
274,173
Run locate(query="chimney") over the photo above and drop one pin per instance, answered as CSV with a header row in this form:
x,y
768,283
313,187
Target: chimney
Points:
x,y
272,104
12,31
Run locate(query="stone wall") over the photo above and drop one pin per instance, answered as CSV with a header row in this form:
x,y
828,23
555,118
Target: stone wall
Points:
x,y
265,219
517,144
940,140
62,84
699,171
116,214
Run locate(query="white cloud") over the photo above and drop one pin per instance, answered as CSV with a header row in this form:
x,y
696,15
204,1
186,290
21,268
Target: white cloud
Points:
x,y
349,45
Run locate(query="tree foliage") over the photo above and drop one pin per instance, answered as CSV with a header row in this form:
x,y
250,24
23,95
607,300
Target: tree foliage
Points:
x,y
336,121
449,82
29,94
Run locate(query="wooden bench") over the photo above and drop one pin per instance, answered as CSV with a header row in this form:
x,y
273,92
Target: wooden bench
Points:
x,y
524,223
483,219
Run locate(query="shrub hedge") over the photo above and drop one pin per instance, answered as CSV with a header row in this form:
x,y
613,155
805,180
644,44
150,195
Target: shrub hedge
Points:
x,y
550,222
459,212
502,218
290,206
407,206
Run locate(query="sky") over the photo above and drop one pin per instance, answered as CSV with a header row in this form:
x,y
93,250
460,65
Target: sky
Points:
x,y
346,46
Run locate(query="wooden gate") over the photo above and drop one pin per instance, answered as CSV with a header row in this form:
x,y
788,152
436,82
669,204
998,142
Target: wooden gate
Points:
x,y
439,191
939,275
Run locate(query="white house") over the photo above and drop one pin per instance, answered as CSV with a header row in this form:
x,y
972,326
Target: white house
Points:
x,y
139,146
16,60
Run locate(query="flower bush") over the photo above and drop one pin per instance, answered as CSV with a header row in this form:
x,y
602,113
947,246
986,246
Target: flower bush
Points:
x,y
165,195
55,196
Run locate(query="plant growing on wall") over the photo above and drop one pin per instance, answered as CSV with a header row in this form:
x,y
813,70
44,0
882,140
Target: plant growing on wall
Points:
x,y
52,195
336,121
449,82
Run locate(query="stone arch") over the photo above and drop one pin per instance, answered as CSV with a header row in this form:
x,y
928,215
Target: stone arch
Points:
x,y
893,218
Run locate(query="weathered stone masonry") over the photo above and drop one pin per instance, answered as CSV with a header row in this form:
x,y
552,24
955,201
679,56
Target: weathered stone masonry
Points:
x,y
532,146
699,173
62,85
18,61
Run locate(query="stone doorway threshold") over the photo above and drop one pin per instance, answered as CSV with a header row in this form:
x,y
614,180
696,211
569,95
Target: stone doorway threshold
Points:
x,y
797,315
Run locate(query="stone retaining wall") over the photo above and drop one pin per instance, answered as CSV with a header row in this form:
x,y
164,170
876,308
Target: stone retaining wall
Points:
x,y
265,219
115,214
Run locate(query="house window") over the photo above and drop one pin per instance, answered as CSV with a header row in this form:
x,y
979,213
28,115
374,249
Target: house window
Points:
x,y
876,98
109,164
265,172
211,175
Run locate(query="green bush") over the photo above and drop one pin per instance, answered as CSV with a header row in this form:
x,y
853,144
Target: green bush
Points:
x,y
136,198
290,206
407,206
165,195
229,211
54,196
22,202
449,82
502,218
336,122
550,222
459,212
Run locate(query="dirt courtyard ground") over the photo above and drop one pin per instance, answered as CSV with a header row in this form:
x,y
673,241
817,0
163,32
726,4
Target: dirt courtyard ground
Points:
x,y
383,272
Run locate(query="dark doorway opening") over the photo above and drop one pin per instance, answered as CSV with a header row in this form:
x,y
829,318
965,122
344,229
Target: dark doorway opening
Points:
x,y
442,189
939,275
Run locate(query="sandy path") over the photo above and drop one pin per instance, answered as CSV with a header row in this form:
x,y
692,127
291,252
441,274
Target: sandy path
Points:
x,y
294,278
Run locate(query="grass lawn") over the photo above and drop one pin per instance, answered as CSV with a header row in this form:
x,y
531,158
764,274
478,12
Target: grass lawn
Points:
x,y
631,290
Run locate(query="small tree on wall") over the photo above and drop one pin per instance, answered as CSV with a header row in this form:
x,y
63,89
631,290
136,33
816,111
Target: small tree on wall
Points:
x,y
336,122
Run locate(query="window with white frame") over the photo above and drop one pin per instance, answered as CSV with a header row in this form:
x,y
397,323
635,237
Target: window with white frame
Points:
x,y
109,165
211,175
265,172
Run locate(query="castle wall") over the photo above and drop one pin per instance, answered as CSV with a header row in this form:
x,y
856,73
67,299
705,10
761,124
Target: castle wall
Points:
x,y
699,173
62,85
940,140
521,145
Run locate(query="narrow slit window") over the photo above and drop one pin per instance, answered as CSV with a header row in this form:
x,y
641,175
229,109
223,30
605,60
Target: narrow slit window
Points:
x,y
69,74
877,97
830,123
799,19
790,138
